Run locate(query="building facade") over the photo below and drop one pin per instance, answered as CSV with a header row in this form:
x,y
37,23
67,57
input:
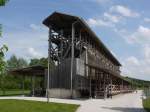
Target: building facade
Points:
x,y
84,67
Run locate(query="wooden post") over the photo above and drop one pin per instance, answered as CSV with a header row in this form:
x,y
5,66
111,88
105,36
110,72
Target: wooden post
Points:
x,y
105,94
80,43
33,85
90,84
111,86
122,87
86,60
23,78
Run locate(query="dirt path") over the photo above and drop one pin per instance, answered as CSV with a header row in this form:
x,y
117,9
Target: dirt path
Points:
x,y
130,102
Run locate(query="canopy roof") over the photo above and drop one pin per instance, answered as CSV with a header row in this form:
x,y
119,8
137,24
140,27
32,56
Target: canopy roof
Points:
x,y
59,21
40,71
30,71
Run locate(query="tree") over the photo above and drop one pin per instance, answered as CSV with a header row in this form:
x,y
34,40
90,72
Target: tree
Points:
x,y
3,2
41,61
13,82
15,62
3,49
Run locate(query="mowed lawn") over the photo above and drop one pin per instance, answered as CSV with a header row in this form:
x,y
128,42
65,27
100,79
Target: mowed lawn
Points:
x,y
146,104
35,106
14,92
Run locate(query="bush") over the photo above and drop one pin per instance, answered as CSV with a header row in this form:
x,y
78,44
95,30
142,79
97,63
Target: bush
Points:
x,y
146,104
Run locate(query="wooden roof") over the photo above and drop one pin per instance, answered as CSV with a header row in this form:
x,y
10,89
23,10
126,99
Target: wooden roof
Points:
x,y
30,71
59,21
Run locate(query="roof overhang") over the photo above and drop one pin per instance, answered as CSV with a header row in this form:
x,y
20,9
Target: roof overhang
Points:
x,y
29,71
59,21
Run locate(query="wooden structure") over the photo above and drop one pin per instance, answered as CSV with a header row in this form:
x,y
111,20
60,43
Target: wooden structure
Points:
x,y
84,65
33,72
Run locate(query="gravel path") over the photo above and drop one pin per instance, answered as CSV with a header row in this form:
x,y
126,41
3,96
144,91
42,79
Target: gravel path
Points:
x,y
131,102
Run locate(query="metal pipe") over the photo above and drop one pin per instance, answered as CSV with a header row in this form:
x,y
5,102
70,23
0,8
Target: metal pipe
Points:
x,y
72,56
49,51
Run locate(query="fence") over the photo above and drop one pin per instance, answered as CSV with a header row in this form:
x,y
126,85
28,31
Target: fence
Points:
x,y
147,92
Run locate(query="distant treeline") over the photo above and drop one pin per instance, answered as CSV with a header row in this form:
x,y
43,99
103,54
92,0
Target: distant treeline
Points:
x,y
138,83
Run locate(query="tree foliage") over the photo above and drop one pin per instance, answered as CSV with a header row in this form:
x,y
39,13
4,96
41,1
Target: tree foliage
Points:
x,y
8,81
138,83
3,2
14,63
3,49
41,61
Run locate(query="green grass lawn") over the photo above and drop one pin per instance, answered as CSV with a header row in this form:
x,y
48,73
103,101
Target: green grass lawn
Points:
x,y
146,104
34,106
13,92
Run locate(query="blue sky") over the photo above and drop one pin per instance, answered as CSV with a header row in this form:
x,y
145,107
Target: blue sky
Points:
x,y
123,26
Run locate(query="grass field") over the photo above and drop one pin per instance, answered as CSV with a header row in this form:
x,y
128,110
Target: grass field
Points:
x,y
146,104
13,92
34,106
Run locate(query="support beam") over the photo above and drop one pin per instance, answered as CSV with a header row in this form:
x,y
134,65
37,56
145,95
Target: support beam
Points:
x,y
111,86
105,91
23,78
122,86
90,83
33,85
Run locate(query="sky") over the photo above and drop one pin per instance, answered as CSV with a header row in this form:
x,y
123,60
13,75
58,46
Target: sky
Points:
x,y
122,25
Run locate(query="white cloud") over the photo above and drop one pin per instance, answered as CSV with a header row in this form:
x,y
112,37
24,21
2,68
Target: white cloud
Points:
x,y
100,1
114,15
133,66
147,52
137,68
20,43
140,36
112,18
124,11
132,60
32,53
98,22
37,27
147,19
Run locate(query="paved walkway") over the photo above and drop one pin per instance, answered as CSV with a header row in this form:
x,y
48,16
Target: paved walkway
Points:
x,y
130,102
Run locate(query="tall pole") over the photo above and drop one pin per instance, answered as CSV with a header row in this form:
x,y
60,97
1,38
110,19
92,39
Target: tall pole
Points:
x,y
49,53
72,58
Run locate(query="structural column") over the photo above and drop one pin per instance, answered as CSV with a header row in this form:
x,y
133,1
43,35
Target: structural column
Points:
x,y
49,55
90,84
111,86
23,78
122,86
33,85
72,58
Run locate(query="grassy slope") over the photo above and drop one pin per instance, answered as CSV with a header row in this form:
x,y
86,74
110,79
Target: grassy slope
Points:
x,y
146,104
138,82
34,106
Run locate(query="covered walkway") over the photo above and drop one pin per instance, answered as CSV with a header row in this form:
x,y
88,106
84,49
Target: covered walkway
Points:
x,y
34,73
